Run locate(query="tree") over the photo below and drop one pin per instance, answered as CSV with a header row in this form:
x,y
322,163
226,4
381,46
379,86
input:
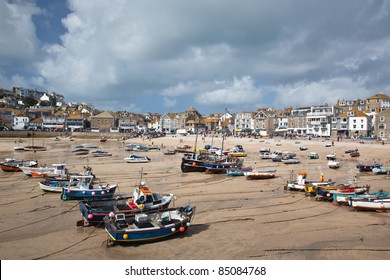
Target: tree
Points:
x,y
29,101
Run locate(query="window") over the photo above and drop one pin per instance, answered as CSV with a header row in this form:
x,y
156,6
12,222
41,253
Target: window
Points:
x,y
362,126
382,118
354,126
382,126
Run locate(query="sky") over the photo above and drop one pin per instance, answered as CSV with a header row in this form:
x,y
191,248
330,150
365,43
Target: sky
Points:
x,y
165,56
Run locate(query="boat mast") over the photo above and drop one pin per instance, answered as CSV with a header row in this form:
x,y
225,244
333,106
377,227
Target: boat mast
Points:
x,y
196,134
223,130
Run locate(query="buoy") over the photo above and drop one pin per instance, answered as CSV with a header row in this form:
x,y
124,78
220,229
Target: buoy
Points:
x,y
173,229
102,192
93,193
125,236
194,163
111,215
90,216
182,229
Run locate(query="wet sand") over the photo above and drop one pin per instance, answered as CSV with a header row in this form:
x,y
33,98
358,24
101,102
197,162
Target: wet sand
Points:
x,y
235,219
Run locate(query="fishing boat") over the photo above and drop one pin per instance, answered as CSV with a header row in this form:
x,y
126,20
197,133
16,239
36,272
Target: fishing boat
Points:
x,y
35,148
259,175
380,170
303,148
142,200
85,189
219,164
146,227
331,156
100,153
237,154
153,147
13,165
334,164
313,155
302,184
369,204
57,169
264,153
136,147
136,159
343,198
103,139
193,162
363,167
169,152
355,153
290,160
238,171
325,193
80,151
57,183
184,148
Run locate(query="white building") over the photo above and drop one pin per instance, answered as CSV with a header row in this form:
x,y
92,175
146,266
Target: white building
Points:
x,y
244,122
319,121
20,123
358,123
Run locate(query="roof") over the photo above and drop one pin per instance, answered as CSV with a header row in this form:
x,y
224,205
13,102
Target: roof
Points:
x,y
379,96
357,113
104,115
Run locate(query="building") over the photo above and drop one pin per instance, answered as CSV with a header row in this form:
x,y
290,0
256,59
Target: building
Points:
x,y
382,125
104,121
378,102
319,120
21,123
244,122
358,123
298,121
264,121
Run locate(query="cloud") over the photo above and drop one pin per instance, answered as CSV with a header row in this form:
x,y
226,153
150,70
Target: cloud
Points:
x,y
204,54
318,92
169,103
18,42
237,91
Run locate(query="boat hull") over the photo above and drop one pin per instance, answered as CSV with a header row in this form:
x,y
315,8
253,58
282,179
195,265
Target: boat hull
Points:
x,y
151,229
87,194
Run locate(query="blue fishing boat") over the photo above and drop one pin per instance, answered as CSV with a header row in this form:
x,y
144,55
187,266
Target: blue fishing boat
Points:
x,y
363,167
340,198
238,171
85,189
147,227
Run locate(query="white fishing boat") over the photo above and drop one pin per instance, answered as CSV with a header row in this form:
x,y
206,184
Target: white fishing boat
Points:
x,y
334,164
136,159
370,204
57,169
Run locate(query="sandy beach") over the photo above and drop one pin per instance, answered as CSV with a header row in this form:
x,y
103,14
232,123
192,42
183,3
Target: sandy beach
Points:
x,y
235,219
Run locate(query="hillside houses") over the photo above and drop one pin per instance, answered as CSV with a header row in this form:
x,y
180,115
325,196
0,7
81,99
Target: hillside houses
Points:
x,y
347,118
